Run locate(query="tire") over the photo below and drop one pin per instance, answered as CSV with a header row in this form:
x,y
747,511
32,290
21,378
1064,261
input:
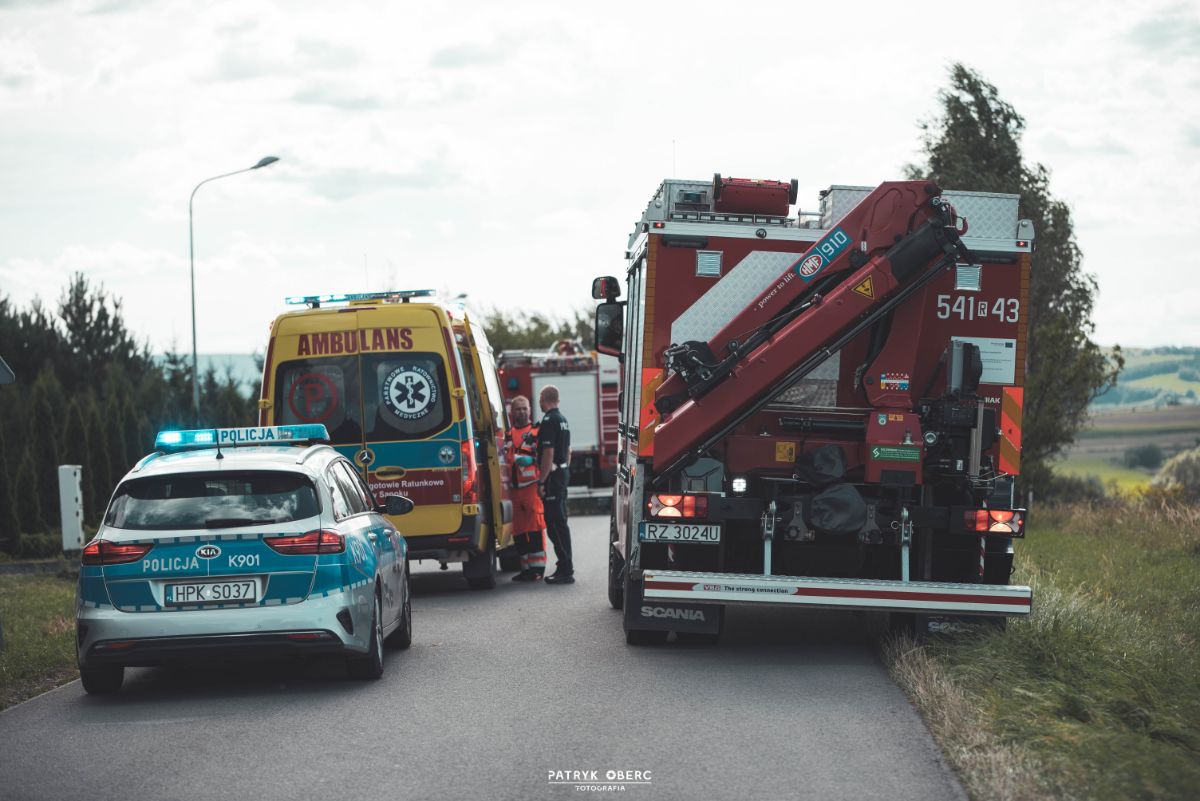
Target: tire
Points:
x,y
616,588
102,680
371,665
402,636
480,569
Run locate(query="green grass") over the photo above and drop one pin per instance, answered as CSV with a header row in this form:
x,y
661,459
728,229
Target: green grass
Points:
x,y
1097,694
1127,479
38,615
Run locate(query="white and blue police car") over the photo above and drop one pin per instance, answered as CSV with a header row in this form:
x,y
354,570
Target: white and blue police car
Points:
x,y
242,542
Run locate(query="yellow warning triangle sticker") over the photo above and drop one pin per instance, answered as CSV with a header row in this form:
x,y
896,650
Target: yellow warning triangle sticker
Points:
x,y
866,288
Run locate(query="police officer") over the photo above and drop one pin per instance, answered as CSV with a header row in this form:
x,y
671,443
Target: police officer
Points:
x,y
529,525
554,457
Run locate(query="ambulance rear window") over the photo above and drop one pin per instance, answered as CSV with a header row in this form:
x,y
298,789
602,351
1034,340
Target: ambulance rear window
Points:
x,y
324,391
404,395
212,500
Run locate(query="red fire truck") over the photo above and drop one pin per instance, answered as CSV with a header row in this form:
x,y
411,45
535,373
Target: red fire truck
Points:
x,y
819,410
588,387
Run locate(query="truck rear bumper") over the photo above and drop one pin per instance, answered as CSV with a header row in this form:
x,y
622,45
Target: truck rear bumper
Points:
x,y
930,597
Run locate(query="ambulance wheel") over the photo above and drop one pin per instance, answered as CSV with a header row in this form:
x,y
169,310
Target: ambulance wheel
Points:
x,y
480,569
371,665
402,636
102,680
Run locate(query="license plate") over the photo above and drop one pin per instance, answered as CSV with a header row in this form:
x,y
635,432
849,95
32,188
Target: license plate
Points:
x,y
709,534
212,592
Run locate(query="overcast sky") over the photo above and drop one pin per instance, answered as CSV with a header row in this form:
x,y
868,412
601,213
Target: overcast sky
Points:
x,y
505,149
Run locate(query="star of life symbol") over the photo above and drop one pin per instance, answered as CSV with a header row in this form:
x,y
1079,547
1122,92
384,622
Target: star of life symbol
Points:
x,y
409,392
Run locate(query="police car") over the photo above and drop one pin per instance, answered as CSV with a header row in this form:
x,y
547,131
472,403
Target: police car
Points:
x,y
242,541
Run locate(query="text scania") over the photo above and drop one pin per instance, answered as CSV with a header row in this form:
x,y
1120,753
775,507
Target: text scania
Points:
x,y
332,343
675,614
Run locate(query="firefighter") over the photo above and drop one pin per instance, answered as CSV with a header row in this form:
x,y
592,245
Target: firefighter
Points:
x,y
528,522
554,457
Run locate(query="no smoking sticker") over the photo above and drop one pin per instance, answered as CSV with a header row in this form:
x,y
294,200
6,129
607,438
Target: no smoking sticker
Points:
x,y
409,392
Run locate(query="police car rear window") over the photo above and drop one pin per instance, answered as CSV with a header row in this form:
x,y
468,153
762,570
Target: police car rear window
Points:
x,y
212,500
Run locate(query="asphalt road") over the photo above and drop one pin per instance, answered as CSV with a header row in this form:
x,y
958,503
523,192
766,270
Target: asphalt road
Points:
x,y
499,689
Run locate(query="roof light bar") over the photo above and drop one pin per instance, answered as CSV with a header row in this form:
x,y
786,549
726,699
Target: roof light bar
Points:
x,y
237,437
344,297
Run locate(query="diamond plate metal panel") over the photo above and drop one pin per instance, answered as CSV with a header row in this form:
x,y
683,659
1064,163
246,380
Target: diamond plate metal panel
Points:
x,y
989,215
730,295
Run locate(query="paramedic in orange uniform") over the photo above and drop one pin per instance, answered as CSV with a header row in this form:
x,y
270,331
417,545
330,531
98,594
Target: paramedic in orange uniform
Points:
x,y
529,525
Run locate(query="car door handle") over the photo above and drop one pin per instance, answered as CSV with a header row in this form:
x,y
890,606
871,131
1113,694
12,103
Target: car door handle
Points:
x,y
371,536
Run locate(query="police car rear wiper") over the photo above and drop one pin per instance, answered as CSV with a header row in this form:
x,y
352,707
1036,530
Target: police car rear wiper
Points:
x,y
231,522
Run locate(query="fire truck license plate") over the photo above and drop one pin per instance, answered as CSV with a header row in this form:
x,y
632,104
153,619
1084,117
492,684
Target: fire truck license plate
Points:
x,y
680,532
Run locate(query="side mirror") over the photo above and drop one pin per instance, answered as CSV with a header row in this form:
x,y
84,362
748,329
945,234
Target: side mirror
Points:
x,y
610,327
606,288
395,505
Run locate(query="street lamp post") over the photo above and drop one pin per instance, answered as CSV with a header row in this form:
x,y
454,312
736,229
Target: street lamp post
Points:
x,y
263,162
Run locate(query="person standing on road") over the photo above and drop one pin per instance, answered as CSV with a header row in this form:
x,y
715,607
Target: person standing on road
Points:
x,y
529,524
554,457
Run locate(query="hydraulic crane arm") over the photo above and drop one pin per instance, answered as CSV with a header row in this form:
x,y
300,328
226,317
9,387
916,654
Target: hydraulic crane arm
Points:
x,y
712,396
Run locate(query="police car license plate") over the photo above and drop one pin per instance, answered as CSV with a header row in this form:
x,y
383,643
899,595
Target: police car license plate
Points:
x,y
709,534
214,592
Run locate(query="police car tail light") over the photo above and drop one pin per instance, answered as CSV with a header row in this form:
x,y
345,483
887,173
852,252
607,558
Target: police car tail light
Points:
x,y
678,505
103,552
319,541
470,492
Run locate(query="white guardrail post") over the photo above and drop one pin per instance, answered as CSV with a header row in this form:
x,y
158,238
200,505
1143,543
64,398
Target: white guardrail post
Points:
x,y
70,503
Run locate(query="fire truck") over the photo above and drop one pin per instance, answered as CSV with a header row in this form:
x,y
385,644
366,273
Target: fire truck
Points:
x,y
588,387
818,409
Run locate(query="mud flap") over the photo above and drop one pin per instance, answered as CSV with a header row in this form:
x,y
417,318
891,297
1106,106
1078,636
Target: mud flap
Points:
x,y
655,615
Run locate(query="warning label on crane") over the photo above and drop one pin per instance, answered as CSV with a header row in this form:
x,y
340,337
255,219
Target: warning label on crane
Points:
x,y
866,288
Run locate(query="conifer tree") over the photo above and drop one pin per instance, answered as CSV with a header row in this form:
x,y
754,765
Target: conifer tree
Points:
x,y
43,428
26,499
9,524
75,450
99,466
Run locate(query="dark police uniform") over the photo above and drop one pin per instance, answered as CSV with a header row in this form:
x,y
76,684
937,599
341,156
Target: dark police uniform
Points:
x,y
553,432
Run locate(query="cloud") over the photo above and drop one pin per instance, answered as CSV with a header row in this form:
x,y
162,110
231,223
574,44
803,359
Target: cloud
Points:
x,y
116,6
342,184
336,97
475,54
1174,32
1191,136
324,54
21,69
1104,145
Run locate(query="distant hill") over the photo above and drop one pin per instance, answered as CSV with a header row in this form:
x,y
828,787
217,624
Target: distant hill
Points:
x,y
1155,377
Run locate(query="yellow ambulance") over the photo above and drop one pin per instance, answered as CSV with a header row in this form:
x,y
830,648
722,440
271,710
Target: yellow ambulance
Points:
x,y
407,388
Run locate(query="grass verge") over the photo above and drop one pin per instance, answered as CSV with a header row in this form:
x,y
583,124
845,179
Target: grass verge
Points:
x,y
38,615
1097,694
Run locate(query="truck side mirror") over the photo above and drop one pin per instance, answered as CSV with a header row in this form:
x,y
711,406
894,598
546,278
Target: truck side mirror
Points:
x,y
610,327
606,288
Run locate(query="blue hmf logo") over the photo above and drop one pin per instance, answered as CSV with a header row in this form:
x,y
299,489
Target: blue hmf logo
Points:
x,y
829,248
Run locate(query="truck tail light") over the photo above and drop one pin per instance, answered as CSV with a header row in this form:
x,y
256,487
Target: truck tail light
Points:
x,y
103,552
678,505
470,490
1006,522
318,541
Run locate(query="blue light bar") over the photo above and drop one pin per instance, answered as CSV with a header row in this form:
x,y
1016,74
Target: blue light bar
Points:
x,y
344,297
239,437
